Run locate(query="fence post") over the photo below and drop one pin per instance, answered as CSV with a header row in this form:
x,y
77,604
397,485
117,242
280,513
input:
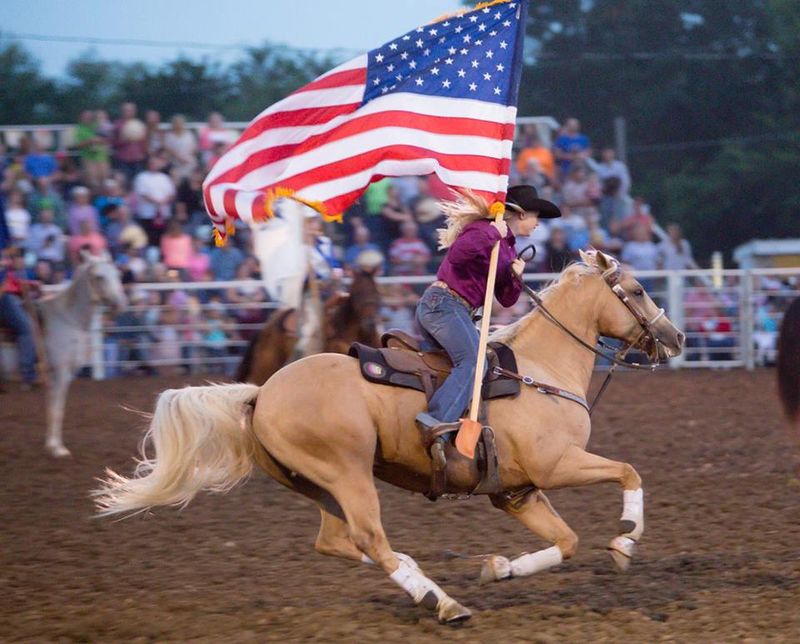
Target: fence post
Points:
x,y
96,345
746,319
675,311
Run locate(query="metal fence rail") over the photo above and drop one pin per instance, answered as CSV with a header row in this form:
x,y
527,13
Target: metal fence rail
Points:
x,y
731,319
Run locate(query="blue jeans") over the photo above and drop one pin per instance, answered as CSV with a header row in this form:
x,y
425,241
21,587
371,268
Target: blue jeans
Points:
x,y
13,316
445,322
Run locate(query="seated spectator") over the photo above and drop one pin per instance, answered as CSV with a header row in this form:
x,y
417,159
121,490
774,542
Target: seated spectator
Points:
x,y
615,185
640,253
155,193
535,151
14,316
570,146
181,149
213,137
87,238
428,215
225,260
575,228
189,206
80,209
92,149
43,272
155,135
45,197
675,253
176,246
111,194
361,244
409,255
393,214
398,303
46,240
18,219
557,254
600,239
40,164
200,260
246,294
639,216
581,192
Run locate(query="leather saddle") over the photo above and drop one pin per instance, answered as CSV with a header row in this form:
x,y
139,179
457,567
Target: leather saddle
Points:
x,y
401,362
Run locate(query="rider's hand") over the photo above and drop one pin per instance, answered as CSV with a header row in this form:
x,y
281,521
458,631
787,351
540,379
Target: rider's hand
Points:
x,y
518,266
501,227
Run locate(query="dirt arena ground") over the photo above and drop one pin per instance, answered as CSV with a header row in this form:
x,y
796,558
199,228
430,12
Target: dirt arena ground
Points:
x,y
719,562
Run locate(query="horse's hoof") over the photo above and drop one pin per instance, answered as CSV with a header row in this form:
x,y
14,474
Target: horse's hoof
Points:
x,y
58,451
621,550
452,613
495,568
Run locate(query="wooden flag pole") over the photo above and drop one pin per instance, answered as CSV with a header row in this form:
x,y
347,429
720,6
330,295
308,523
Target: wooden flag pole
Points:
x,y
468,435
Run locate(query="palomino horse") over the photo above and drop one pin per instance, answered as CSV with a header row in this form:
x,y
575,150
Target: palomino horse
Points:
x,y
789,363
320,429
351,317
67,318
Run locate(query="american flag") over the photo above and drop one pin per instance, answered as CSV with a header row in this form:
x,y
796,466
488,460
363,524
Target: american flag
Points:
x,y
440,98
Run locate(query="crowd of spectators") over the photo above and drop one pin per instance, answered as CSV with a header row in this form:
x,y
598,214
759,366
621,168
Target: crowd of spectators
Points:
x,y
133,187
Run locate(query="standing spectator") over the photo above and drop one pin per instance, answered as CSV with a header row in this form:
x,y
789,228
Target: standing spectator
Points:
x,y
639,216
557,254
246,294
155,193
615,186
200,260
129,142
81,209
641,253
14,316
571,146
212,135
675,253
575,228
45,197
176,247
225,260
18,219
155,135
428,215
93,149
87,238
581,192
393,215
112,195
45,239
374,199
189,207
40,164
181,149
409,255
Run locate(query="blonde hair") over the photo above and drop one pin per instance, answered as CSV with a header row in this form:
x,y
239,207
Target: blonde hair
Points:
x,y
460,212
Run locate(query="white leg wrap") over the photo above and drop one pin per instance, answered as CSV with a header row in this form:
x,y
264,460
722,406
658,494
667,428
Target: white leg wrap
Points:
x,y
401,556
534,562
633,510
415,583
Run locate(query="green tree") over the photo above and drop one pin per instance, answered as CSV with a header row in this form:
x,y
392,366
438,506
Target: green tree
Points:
x,y
27,95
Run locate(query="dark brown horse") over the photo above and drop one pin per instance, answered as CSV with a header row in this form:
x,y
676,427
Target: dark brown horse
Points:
x,y
789,363
349,317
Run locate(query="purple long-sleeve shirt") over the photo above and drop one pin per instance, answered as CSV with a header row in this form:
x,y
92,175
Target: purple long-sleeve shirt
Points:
x,y
466,266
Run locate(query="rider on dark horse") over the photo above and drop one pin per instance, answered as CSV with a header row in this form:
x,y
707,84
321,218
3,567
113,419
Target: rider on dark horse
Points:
x,y
445,311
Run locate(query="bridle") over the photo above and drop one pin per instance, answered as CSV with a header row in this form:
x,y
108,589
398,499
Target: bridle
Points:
x,y
611,278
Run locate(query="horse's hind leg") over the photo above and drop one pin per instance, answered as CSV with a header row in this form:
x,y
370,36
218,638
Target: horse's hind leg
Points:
x,y
359,500
56,402
534,511
578,467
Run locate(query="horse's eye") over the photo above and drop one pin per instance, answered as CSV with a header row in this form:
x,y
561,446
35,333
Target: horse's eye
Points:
x,y
638,292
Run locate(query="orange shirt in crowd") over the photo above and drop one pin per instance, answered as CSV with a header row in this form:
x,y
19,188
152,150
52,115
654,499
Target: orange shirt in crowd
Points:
x,y
547,164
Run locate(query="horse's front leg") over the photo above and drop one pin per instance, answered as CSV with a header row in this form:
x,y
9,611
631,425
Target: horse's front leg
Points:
x,y
56,401
578,467
534,511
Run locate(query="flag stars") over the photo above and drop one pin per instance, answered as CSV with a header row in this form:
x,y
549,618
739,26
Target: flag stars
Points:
x,y
500,67
404,55
419,42
448,61
419,82
482,27
459,29
498,15
393,46
427,52
478,43
497,91
413,64
473,18
389,68
464,52
420,29
435,71
462,73
399,77
446,84
441,40
503,44
493,33
377,81
406,37
452,51
489,54
379,58
467,38
472,87
384,89
475,64
506,23
433,32
487,76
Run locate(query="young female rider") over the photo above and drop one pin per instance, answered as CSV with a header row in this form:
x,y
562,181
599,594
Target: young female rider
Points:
x,y
444,313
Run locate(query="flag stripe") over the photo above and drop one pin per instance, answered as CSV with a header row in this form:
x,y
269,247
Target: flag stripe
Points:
x,y
347,77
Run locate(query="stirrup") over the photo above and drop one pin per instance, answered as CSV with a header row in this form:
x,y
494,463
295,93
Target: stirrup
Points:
x,y
433,429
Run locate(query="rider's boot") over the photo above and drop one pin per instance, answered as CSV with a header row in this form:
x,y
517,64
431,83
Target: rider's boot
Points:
x,y
434,436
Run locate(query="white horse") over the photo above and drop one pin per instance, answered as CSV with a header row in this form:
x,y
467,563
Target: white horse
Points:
x,y
67,319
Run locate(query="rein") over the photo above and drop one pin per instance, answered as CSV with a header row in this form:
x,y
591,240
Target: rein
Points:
x,y
611,278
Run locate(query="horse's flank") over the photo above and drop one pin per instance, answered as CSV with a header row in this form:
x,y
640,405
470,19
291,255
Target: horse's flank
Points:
x,y
789,363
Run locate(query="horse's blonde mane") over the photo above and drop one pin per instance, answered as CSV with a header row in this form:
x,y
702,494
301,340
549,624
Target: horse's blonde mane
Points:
x,y
460,212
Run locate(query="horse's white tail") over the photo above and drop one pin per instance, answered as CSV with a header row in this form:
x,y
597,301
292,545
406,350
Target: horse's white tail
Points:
x,y
202,441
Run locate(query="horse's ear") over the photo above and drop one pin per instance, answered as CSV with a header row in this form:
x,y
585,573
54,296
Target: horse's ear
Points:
x,y
86,256
587,258
604,262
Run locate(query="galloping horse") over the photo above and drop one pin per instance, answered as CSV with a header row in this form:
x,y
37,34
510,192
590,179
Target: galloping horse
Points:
x,y
789,363
351,317
67,318
320,429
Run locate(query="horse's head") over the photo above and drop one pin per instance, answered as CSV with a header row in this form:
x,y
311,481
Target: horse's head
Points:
x,y
626,312
103,279
364,295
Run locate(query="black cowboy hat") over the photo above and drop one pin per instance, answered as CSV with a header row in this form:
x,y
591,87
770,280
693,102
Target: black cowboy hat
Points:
x,y
526,198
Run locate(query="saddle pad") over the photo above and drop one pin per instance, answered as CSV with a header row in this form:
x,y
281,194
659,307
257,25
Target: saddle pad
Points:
x,y
375,367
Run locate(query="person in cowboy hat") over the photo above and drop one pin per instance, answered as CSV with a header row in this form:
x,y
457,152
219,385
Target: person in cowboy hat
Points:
x,y
445,311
